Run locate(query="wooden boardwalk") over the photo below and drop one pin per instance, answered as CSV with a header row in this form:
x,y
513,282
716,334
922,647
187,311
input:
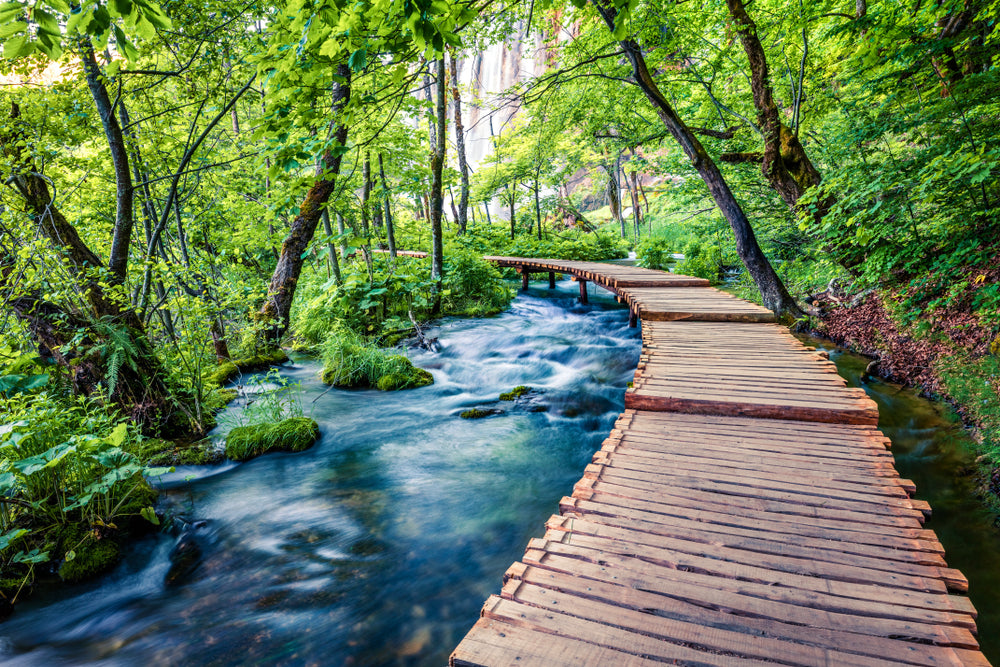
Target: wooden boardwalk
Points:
x,y
745,510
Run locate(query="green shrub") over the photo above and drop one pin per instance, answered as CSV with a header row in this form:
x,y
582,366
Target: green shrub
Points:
x,y
653,253
290,435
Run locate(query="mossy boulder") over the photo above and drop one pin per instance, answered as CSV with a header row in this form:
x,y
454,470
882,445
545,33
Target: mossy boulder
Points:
x,y
515,393
89,559
290,435
158,452
227,370
409,378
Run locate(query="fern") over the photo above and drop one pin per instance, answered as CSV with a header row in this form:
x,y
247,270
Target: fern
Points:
x,y
118,349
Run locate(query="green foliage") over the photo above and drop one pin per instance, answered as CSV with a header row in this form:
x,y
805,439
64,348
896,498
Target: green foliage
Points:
x,y
571,245
91,558
653,253
294,434
351,362
974,384
66,465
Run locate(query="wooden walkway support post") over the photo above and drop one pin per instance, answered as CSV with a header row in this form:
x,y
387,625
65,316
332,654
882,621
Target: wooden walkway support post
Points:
x,y
583,291
525,274
633,318
552,279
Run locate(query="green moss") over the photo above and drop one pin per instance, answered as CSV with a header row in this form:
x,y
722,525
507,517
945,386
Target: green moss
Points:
x,y
515,393
478,413
411,378
227,370
290,435
91,558
158,452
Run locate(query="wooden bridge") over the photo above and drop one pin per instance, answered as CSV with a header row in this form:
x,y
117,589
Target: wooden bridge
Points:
x,y
743,511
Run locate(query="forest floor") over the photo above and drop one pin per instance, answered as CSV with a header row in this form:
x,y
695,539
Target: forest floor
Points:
x,y
948,352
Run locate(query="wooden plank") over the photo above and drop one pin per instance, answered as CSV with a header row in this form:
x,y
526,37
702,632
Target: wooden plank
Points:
x,y
617,638
698,635
761,601
669,608
713,406
858,578
605,507
493,643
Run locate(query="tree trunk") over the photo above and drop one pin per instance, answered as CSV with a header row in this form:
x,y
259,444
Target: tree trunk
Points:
x,y
772,290
366,191
511,191
124,190
276,310
331,251
390,232
538,211
785,165
437,185
463,165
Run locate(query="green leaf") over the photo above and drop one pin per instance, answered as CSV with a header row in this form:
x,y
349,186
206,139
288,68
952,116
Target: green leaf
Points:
x,y
12,29
10,11
149,514
358,59
59,5
32,557
11,536
121,7
70,555
18,47
118,435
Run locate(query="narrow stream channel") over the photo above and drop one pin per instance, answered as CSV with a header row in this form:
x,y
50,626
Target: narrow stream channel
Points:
x,y
379,545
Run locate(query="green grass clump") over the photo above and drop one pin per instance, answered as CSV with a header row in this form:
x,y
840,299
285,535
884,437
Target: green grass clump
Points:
x,y
290,435
515,393
351,362
227,370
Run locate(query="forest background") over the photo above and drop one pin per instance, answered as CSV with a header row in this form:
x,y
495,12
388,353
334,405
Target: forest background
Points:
x,y
188,187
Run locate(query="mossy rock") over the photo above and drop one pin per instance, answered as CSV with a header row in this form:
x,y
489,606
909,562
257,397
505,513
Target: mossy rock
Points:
x,y
90,559
227,370
411,378
479,413
158,452
290,435
515,393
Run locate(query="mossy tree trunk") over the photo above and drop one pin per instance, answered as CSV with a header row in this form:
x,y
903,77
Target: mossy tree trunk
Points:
x,y
276,311
784,162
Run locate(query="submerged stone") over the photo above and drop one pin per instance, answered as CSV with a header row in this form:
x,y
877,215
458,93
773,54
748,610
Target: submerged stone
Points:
x,y
290,435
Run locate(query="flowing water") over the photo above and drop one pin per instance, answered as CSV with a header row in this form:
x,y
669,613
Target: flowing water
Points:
x,y
378,545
